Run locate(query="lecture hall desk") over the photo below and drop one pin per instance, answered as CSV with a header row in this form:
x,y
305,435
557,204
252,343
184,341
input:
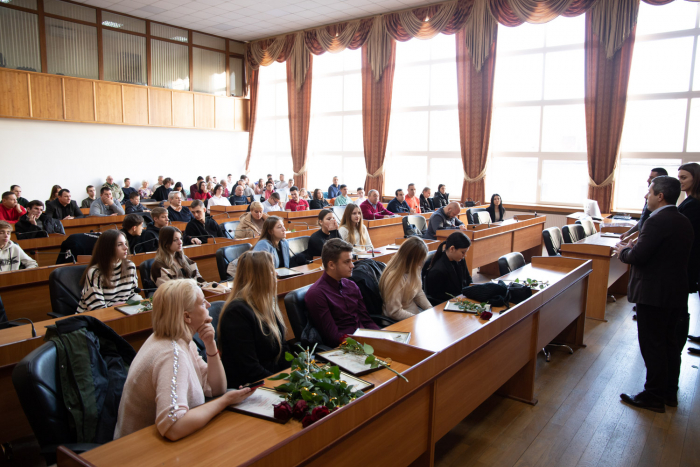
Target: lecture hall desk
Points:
x,y
454,362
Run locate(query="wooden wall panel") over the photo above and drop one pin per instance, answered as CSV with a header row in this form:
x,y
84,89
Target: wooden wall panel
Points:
x,y
183,109
160,108
14,94
242,114
109,102
224,114
80,100
135,105
47,97
204,116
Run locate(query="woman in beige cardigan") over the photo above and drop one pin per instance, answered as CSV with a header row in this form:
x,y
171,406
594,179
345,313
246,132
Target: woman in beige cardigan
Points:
x,y
251,222
401,286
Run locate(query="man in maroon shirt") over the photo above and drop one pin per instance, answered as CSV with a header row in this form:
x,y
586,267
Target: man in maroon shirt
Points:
x,y
335,303
295,203
10,210
373,209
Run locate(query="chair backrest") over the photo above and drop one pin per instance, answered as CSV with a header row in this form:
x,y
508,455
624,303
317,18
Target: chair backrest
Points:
x,y
573,233
471,215
145,273
510,262
419,221
552,240
227,254
424,269
298,245
482,217
297,312
339,212
588,226
215,312
230,228
65,290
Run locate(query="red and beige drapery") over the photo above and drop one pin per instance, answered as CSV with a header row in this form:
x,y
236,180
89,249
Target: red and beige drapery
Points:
x,y
299,105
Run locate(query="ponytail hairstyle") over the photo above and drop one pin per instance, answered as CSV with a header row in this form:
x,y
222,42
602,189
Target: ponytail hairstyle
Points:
x,y
457,240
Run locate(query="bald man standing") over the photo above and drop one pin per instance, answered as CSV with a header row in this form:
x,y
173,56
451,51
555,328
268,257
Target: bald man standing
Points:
x,y
444,218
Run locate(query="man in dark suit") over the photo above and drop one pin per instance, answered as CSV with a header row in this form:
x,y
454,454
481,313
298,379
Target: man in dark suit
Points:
x,y
659,286
63,207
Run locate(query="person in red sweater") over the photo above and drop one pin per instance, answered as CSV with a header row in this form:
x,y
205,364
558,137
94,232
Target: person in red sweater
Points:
x,y
295,203
373,209
202,193
10,209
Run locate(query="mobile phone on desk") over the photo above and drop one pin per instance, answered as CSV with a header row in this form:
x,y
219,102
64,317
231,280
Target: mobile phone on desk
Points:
x,y
254,385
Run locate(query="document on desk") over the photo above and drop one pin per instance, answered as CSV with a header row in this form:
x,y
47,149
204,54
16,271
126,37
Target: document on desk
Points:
x,y
355,364
610,235
396,336
260,404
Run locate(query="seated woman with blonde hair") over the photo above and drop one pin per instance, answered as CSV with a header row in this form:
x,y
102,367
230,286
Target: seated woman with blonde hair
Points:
x,y
401,285
251,327
251,222
171,263
353,230
168,380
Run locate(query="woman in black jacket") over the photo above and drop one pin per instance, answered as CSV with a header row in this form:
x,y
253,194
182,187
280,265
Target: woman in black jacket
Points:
x,y
329,229
496,209
251,330
689,176
447,273
441,198
318,201
426,201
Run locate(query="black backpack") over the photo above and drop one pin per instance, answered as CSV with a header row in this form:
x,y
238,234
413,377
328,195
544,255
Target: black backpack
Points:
x,y
498,294
366,275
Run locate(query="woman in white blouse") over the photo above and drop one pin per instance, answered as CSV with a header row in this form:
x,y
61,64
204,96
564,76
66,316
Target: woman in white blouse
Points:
x,y
218,199
354,231
401,285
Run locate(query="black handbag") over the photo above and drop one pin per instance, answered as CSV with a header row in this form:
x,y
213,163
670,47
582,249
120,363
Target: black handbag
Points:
x,y
469,203
518,292
495,294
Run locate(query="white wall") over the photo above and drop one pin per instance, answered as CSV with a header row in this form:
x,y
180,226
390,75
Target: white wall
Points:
x,y
39,154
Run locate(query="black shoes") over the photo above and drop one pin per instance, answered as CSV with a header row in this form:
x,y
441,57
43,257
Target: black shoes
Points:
x,y
671,401
695,339
642,401
634,316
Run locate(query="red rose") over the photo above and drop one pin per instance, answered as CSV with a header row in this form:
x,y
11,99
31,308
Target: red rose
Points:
x,y
300,409
283,411
486,315
319,412
306,421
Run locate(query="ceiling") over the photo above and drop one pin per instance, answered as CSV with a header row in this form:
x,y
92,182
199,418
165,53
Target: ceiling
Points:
x,y
247,20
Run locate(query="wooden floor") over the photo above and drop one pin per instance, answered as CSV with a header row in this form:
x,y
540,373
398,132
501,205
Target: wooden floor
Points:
x,y
579,420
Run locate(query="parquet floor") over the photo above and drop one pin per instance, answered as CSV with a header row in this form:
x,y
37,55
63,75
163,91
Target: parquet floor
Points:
x,y
579,420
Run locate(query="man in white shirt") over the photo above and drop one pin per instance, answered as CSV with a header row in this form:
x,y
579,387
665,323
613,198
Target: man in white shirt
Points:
x,y
273,203
283,188
360,196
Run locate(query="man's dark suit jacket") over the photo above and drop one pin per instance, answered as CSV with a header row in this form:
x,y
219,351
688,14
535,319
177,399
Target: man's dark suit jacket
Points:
x,y
55,210
659,273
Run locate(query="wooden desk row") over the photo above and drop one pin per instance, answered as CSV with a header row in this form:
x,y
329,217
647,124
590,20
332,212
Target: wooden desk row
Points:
x,y
454,362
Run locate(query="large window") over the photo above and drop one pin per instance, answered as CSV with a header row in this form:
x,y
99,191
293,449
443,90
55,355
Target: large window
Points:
x,y
538,132
662,123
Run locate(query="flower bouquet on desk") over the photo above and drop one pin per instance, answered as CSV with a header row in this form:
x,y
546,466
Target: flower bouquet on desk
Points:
x,y
534,284
462,304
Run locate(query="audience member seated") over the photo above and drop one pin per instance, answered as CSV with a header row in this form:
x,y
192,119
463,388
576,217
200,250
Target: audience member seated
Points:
x,y
447,273
117,192
360,196
17,190
238,199
272,240
248,191
250,223
334,190
318,201
163,191
412,200
11,254
168,380
373,209
444,218
496,209
398,205
87,202
159,184
259,187
63,207
179,188
210,188
202,193
251,328
138,239
218,198
134,204
401,285
35,223
336,307
329,230
105,205
195,186
281,183
225,193
176,211
295,203
144,191
269,189
54,194
441,197
426,201
273,204
127,189
160,220
354,231
110,278
171,262
342,199
10,210
303,194
201,227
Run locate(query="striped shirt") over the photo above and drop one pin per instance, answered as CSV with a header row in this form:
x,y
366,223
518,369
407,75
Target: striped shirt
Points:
x,y
96,296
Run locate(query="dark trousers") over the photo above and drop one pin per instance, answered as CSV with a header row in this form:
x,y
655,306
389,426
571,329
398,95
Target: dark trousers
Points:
x,y
658,329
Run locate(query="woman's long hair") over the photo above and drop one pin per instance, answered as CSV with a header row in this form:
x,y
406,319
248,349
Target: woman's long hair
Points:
x,y
104,256
200,189
457,240
318,191
356,234
172,261
492,207
54,192
255,283
403,273
266,231
170,302
694,170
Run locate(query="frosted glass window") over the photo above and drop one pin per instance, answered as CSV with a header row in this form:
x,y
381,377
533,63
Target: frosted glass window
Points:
x,y
676,16
209,72
443,84
352,92
352,133
449,172
327,134
205,40
518,78
70,10
30,4
331,88
170,65
564,75
444,130
402,170
564,31
237,76
408,131
694,127
631,183
443,46
71,49
169,32
124,57
515,129
564,128
564,182
514,178
19,40
354,171
654,126
113,20
411,86
661,66
523,37
412,51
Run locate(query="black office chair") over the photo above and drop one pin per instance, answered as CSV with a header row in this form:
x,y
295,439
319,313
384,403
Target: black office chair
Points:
x,y
472,217
573,233
298,315
424,269
588,226
298,245
339,212
510,262
37,384
552,240
146,281
229,228
227,254
215,312
65,290
414,226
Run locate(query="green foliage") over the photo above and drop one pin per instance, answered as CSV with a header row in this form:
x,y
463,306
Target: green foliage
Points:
x,y
533,283
352,346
